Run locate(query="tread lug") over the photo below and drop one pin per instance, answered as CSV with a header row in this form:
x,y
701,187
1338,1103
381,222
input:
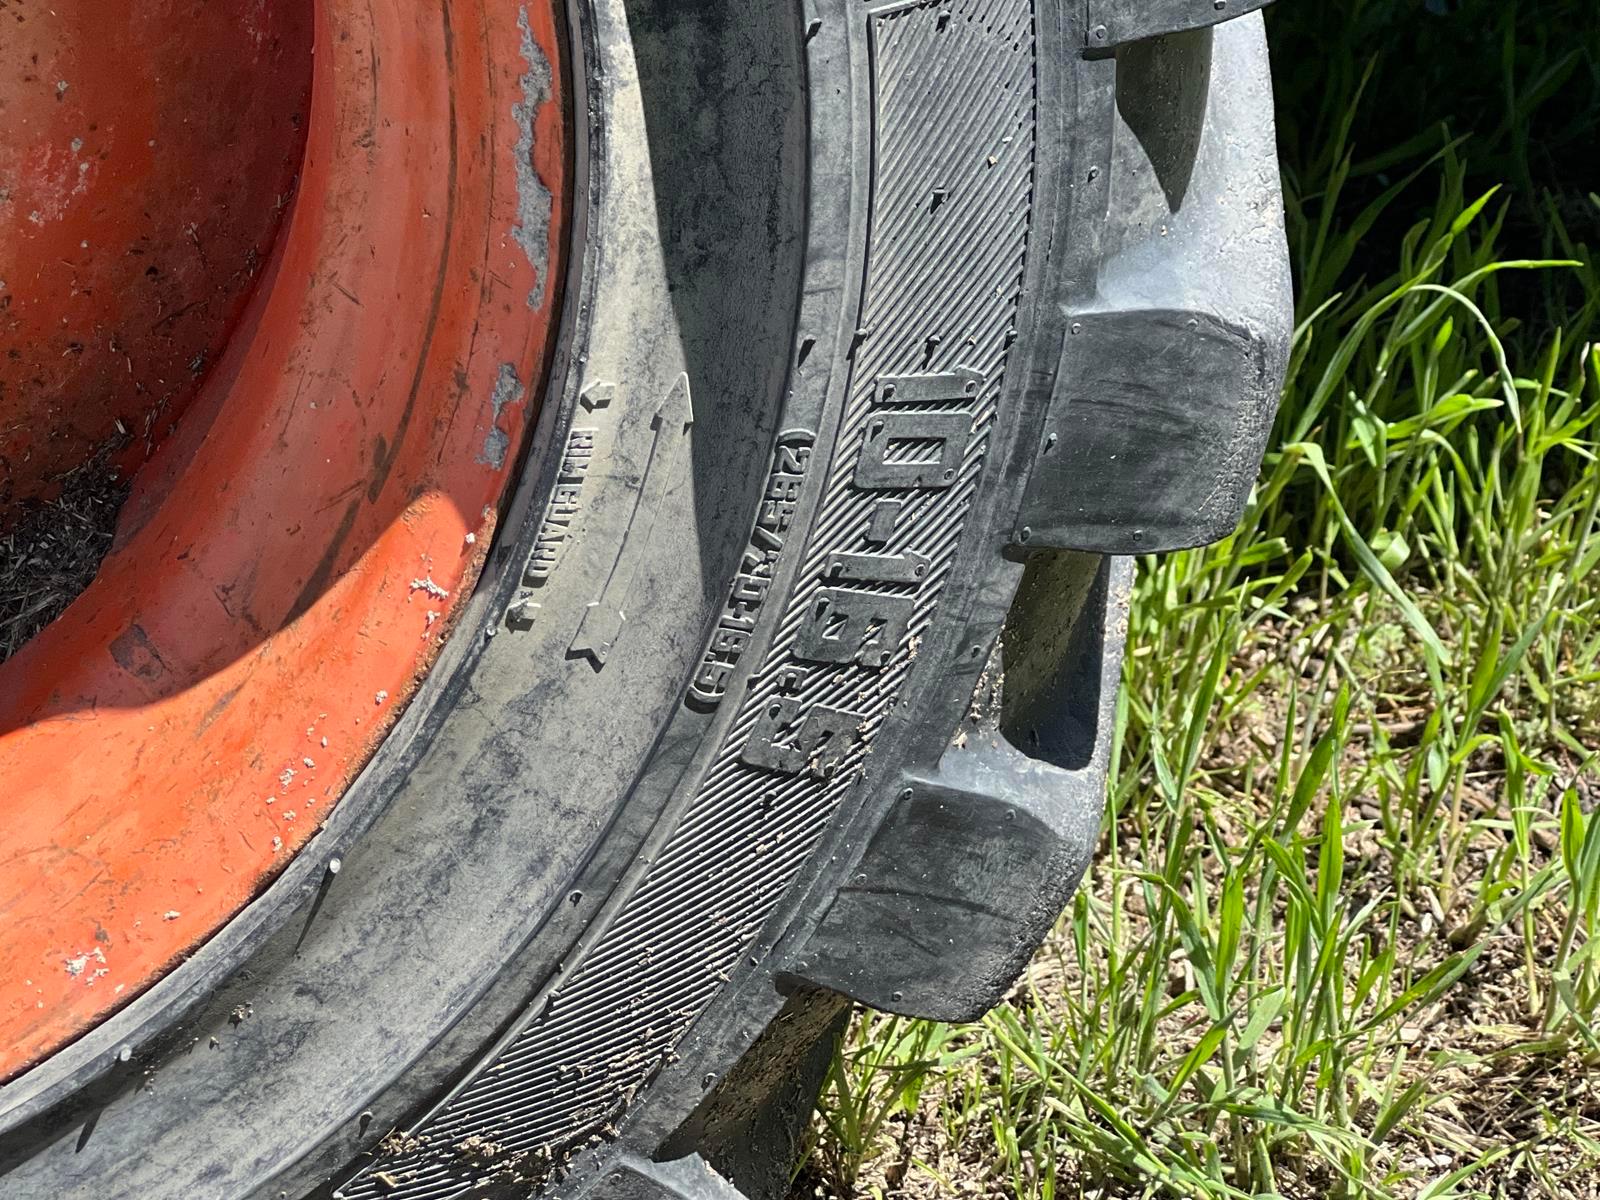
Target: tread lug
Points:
x,y
1168,375
976,858
1194,386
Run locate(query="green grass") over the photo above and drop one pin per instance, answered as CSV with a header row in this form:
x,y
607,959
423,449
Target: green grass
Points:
x,y
1339,939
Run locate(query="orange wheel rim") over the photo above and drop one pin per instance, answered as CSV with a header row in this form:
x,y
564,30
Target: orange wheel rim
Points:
x,y
292,557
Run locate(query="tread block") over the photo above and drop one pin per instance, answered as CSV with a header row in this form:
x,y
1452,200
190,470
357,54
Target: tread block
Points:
x,y
1168,376
1150,409
955,891
976,859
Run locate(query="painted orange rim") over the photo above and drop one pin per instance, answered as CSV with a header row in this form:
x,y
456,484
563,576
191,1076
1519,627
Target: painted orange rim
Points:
x,y
148,152
291,558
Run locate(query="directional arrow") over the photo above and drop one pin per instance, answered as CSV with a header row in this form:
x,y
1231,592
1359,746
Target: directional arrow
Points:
x,y
602,621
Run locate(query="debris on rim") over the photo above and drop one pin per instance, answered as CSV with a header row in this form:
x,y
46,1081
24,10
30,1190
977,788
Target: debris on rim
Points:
x,y
53,550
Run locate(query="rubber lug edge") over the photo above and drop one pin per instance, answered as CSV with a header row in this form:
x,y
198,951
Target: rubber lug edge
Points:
x,y
1169,377
977,858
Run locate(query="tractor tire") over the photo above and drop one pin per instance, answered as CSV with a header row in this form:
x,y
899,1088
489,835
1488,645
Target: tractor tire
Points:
x,y
891,330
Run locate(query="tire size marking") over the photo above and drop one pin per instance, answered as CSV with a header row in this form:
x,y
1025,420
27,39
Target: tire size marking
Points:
x,y
878,568
915,448
911,449
790,460
848,626
789,741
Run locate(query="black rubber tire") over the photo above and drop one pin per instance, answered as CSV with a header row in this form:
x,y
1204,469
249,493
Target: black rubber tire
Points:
x,y
728,737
